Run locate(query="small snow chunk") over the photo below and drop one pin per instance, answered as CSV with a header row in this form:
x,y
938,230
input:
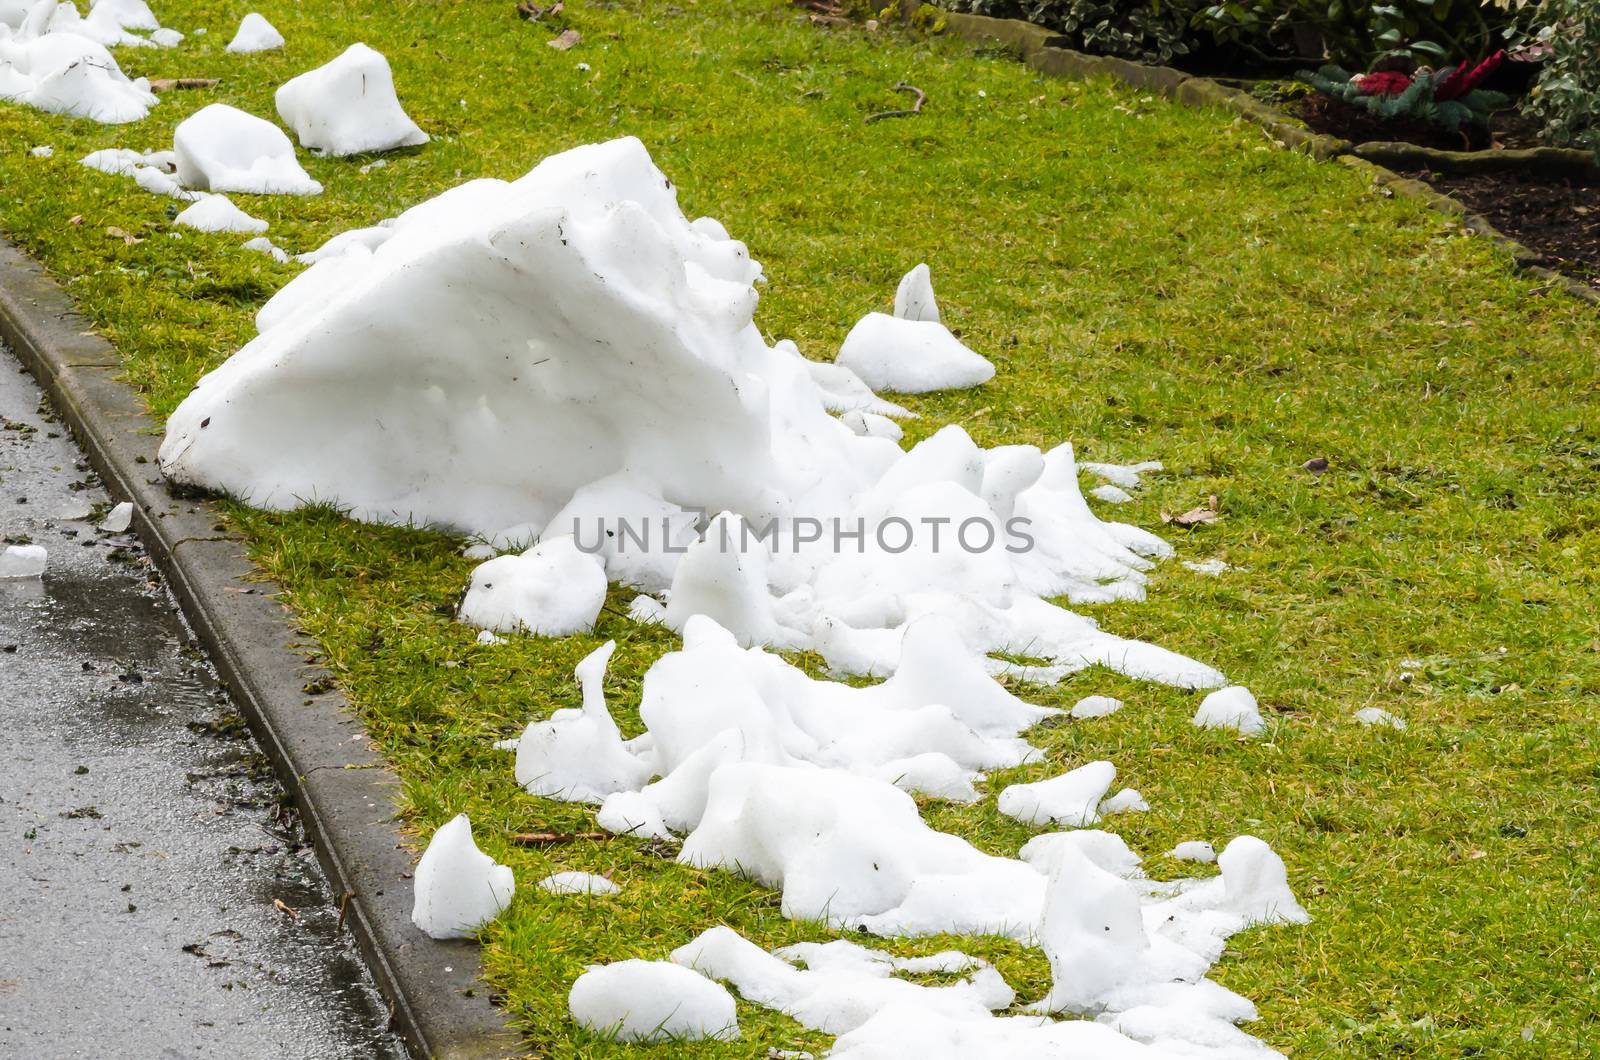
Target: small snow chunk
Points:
x,y
217,213
577,883
487,636
255,34
910,356
1128,800
913,299
551,590
42,151
1379,716
1124,475
647,610
1194,850
1111,494
1256,883
263,245
1212,567
458,887
221,148
23,561
1072,799
652,1001
348,106
480,550
1106,849
1230,708
118,519
577,755
1096,707
166,38
75,511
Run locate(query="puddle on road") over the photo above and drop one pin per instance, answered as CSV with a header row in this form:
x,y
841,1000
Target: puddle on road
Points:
x,y
159,897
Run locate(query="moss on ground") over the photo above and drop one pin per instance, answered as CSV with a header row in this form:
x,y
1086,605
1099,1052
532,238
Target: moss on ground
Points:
x,y
1151,282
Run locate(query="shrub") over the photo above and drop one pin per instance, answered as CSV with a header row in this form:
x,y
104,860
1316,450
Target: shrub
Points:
x,y
1356,33
1446,99
1566,97
1154,31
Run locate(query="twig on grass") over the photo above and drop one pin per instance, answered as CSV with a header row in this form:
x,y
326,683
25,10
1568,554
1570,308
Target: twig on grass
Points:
x,y
546,839
916,108
166,84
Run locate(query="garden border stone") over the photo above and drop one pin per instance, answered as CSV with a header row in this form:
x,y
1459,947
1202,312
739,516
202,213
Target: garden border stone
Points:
x,y
342,788
1036,46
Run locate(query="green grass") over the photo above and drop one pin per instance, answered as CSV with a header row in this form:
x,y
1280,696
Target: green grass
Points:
x,y
1151,282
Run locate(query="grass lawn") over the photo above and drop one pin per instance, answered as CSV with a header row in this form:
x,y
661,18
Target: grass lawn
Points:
x,y
1152,282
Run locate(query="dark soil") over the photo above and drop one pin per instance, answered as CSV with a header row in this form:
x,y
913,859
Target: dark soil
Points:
x,y
1507,129
1559,219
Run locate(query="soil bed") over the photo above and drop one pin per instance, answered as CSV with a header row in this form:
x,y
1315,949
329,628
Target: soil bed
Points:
x,y
1559,219
1507,128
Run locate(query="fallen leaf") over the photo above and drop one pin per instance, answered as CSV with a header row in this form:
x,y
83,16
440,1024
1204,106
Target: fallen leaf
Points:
x,y
1205,513
1316,465
277,903
566,39
127,237
75,219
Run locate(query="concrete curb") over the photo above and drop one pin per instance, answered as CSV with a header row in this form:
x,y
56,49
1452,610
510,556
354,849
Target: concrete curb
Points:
x,y
344,791
1033,45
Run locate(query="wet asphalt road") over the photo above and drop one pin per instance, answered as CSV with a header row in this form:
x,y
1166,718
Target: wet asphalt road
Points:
x,y
156,896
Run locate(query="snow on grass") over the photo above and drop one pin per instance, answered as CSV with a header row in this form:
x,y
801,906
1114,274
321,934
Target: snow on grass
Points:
x,y
347,107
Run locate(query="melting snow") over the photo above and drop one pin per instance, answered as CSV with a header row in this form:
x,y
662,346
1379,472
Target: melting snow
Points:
x,y
255,34
1230,708
458,888
217,213
221,148
347,106
23,561
652,1001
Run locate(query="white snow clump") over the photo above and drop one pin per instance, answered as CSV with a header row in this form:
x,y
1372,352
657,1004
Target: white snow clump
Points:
x,y
217,213
55,61
652,1001
23,561
255,34
577,883
1230,708
578,755
221,148
458,888
1071,799
347,106
1379,716
551,590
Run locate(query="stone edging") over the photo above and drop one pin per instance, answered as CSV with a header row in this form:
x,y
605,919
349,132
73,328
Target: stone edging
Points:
x,y
343,789
1033,45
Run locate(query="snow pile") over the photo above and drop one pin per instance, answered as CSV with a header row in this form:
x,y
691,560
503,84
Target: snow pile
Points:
x,y
567,359
347,106
550,590
577,883
217,213
652,1001
911,352
1128,953
23,561
1096,707
221,148
266,246
1111,494
54,61
458,888
842,985
1378,716
1231,708
1125,476
255,34
151,170
1072,799
1194,850
578,755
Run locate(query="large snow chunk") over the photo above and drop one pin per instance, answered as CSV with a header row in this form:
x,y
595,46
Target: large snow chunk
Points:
x,y
913,299
551,590
910,356
652,1001
505,344
458,888
217,213
67,73
221,148
255,34
347,106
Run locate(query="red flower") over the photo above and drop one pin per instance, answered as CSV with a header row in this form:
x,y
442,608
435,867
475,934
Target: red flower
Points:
x,y
1460,81
1383,83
